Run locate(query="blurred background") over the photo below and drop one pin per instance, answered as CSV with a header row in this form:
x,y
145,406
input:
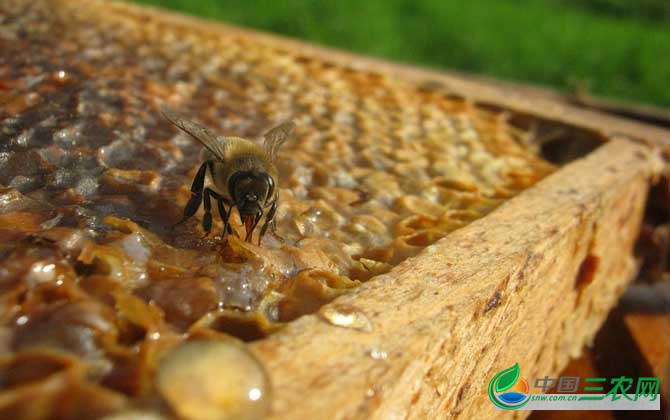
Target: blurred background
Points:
x,y
612,48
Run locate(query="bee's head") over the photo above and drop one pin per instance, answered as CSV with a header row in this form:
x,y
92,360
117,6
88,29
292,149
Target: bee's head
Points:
x,y
250,190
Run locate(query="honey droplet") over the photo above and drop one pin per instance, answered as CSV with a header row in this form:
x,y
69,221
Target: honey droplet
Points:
x,y
203,380
346,316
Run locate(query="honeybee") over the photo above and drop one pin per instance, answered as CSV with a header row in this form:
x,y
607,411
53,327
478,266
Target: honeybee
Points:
x,y
236,173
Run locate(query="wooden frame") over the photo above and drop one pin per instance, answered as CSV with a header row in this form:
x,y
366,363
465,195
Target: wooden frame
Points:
x,y
530,283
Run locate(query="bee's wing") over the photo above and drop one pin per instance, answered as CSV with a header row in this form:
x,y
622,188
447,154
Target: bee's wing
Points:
x,y
276,136
215,144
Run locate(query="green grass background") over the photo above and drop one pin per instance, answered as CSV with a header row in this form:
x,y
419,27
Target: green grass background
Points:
x,y
615,48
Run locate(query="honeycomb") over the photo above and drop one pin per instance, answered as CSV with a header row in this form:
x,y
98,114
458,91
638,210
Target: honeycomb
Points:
x,y
96,284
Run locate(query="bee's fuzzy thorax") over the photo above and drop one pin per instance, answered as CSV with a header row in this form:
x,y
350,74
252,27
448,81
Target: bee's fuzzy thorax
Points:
x,y
240,155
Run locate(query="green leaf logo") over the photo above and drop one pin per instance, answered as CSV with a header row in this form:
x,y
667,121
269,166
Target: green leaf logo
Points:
x,y
503,381
507,378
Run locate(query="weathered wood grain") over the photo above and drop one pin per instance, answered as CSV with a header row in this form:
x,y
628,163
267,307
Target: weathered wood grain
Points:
x,y
531,283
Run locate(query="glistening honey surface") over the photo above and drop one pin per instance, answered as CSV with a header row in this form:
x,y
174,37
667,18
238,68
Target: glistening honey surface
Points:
x,y
96,286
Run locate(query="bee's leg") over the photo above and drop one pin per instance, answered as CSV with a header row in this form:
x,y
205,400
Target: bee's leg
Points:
x,y
273,229
196,194
225,216
269,220
207,219
253,227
